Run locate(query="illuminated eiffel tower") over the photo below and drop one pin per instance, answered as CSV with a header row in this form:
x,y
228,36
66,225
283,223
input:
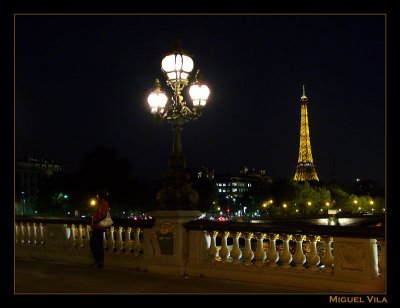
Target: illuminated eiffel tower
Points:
x,y
305,170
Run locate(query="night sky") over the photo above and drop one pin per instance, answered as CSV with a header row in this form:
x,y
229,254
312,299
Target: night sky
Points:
x,y
83,80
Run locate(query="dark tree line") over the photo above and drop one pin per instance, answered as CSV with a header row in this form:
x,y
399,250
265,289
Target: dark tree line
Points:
x,y
288,197
65,193
99,169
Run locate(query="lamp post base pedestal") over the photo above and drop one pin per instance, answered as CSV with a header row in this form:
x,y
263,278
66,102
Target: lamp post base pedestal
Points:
x,y
169,242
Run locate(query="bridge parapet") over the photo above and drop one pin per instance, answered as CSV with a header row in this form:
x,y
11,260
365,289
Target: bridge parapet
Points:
x,y
321,259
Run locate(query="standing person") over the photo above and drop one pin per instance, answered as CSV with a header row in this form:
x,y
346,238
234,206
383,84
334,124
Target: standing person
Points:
x,y
97,234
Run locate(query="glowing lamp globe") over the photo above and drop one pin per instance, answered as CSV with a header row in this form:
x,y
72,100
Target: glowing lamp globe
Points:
x,y
157,99
199,94
177,66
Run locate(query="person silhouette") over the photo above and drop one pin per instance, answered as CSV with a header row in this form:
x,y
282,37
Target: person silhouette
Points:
x,y
100,210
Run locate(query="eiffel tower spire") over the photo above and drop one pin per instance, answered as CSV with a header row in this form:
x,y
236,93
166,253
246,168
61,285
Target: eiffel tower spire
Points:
x,y
305,170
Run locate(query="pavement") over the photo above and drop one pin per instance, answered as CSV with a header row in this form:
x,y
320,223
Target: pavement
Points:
x,y
44,277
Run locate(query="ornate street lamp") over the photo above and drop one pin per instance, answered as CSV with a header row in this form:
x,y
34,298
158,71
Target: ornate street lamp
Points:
x,y
177,66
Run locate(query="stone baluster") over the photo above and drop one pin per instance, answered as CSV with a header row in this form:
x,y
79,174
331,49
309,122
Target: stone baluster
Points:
x,y
236,252
286,256
34,234
327,258
110,240
17,234
273,255
21,228
86,242
299,256
105,240
42,231
25,236
67,235
127,240
313,257
382,257
28,234
260,254
206,240
72,237
119,244
212,251
137,245
23,233
248,253
224,251
80,236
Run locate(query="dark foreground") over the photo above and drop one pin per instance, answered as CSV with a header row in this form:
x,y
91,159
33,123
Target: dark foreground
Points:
x,y
38,277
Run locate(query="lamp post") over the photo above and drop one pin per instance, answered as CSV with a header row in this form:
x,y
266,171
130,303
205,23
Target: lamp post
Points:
x,y
177,66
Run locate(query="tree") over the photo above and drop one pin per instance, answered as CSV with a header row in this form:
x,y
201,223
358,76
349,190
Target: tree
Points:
x,y
58,195
207,193
101,168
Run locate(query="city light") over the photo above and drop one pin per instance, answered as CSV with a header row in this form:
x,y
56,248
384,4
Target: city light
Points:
x,y
92,202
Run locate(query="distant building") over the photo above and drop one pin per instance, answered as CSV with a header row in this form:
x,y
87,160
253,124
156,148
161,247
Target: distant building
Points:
x,y
202,173
256,175
231,188
29,175
367,188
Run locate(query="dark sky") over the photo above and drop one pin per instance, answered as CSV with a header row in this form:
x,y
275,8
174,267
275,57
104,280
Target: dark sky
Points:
x,y
83,80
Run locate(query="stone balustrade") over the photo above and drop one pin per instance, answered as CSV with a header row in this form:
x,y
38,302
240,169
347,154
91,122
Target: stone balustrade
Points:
x,y
297,257
328,258
69,240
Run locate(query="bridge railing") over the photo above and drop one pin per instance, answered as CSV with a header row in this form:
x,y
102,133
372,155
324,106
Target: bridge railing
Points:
x,y
295,257
68,239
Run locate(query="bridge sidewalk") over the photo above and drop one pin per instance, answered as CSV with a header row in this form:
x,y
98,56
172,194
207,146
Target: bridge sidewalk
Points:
x,y
44,277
